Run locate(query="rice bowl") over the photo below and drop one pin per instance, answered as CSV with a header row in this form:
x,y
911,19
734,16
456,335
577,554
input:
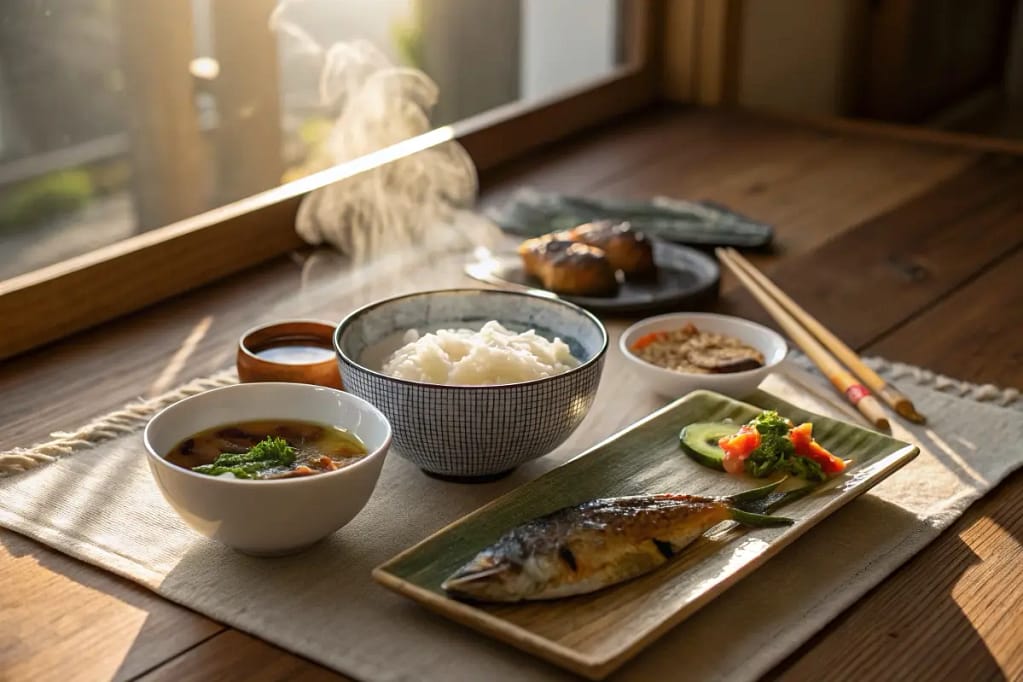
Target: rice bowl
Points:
x,y
482,431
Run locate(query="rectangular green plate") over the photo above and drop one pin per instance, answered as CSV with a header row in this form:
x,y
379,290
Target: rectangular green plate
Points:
x,y
594,634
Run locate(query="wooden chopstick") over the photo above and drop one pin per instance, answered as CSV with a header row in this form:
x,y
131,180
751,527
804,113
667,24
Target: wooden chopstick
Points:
x,y
838,375
897,400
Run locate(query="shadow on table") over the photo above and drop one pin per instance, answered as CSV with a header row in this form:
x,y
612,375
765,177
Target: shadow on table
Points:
x,y
118,636
352,633
462,649
944,641
165,630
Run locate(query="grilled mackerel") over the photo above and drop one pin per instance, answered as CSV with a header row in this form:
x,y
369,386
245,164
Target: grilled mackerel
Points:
x,y
599,543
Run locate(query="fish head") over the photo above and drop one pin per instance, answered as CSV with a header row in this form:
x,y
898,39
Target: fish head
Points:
x,y
490,578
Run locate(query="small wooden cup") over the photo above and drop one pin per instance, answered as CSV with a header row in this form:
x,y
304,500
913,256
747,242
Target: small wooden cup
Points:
x,y
256,363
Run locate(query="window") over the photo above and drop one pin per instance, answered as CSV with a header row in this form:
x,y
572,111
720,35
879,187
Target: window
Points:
x,y
117,117
125,126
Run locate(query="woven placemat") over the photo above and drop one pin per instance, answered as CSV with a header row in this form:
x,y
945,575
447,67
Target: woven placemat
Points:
x,y
89,494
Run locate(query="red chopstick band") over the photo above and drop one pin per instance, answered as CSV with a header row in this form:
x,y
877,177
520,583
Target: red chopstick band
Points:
x,y
856,393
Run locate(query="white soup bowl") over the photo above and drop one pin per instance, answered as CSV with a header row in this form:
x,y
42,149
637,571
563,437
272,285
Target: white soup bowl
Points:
x,y
267,517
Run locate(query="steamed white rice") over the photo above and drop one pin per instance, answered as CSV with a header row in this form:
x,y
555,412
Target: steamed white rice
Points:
x,y
492,355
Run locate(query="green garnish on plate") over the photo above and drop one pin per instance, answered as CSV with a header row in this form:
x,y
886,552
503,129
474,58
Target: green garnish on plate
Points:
x,y
777,452
269,453
766,445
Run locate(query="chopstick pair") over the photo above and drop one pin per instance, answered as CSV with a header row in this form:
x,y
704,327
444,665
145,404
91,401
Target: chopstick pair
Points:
x,y
822,347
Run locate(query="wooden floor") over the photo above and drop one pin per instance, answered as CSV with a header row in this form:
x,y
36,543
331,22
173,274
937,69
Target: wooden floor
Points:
x,y
905,249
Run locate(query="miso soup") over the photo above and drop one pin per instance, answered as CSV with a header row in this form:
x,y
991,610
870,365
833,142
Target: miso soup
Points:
x,y
268,449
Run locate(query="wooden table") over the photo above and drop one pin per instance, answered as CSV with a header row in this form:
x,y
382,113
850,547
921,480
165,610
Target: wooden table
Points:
x,y
908,249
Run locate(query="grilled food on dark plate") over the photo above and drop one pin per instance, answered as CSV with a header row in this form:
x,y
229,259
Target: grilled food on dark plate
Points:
x,y
567,267
603,542
583,261
627,249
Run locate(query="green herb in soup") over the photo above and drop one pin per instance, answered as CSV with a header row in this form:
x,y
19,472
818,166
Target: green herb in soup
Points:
x,y
268,449
268,454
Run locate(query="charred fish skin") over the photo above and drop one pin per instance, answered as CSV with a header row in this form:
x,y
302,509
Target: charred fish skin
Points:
x,y
581,549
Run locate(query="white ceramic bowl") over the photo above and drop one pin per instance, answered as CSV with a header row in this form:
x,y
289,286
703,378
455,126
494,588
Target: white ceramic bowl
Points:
x,y
274,517
672,384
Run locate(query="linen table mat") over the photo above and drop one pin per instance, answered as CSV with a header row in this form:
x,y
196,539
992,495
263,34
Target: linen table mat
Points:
x,y
100,505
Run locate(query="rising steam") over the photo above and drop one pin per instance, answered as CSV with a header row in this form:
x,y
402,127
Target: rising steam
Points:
x,y
417,200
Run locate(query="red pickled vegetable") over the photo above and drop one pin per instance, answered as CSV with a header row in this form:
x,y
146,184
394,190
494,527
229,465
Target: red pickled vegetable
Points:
x,y
738,448
806,446
645,340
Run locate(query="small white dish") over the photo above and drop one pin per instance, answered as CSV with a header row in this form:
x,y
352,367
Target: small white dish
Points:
x,y
270,517
672,384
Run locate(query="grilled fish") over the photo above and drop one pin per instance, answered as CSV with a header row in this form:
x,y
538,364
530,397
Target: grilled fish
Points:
x,y
599,543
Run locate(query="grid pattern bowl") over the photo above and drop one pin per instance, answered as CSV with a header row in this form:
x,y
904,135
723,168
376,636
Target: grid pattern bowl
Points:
x,y
472,432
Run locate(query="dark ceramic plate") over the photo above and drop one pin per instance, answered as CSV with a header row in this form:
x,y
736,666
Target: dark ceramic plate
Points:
x,y
686,278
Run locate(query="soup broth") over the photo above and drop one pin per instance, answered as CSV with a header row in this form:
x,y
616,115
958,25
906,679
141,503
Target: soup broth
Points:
x,y
296,352
268,449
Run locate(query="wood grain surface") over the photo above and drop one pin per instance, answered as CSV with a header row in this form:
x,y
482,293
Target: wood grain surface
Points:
x,y
903,248
954,612
237,656
97,625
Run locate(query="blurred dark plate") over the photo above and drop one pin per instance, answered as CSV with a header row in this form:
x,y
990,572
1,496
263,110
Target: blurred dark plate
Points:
x,y
686,278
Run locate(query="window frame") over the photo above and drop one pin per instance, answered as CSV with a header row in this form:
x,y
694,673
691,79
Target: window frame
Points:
x,y
86,290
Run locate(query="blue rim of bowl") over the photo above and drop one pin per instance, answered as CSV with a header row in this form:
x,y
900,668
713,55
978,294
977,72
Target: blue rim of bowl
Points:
x,y
217,480
631,355
350,318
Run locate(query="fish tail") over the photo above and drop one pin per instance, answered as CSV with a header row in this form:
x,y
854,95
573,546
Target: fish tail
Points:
x,y
749,507
777,500
742,499
765,499
759,520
